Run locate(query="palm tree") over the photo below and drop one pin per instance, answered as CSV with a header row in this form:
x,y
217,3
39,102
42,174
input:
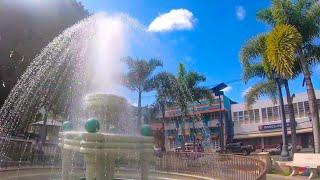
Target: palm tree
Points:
x,y
187,91
163,85
256,47
304,15
139,77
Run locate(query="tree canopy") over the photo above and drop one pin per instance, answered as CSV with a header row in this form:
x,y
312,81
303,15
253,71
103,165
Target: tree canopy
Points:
x,y
28,27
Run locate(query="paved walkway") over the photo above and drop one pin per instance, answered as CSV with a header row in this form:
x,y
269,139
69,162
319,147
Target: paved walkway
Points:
x,y
279,177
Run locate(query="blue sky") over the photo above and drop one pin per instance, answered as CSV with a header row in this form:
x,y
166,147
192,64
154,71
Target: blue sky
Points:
x,y
206,36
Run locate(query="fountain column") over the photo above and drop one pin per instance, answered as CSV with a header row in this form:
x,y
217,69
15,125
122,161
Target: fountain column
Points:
x,y
145,163
90,166
145,154
110,166
66,163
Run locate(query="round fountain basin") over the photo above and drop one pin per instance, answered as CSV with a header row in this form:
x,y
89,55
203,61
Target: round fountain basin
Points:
x,y
43,173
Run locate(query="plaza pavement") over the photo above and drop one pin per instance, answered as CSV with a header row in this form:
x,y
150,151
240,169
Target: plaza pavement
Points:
x,y
280,177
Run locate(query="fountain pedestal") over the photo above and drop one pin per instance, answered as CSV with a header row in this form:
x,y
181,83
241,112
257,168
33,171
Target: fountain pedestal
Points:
x,y
100,150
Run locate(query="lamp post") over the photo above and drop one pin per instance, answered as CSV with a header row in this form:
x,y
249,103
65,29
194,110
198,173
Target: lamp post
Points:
x,y
217,90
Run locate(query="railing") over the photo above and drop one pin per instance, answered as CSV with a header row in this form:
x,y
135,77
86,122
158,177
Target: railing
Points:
x,y
17,153
211,165
219,166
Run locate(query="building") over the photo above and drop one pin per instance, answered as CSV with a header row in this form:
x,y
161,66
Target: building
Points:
x,y
260,124
202,123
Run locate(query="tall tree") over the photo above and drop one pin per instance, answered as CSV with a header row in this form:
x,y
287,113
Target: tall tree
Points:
x,y
163,83
187,91
140,77
304,15
253,49
26,28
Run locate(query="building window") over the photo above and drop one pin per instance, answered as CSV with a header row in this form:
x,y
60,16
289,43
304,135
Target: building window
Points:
x,y
264,114
246,117
306,108
295,109
241,117
270,114
256,115
235,117
286,111
217,115
300,109
251,116
276,113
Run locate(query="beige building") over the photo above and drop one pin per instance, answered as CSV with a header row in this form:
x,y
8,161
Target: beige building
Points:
x,y
260,124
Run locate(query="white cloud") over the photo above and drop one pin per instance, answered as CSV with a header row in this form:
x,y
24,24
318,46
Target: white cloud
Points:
x,y
244,92
176,19
240,13
227,89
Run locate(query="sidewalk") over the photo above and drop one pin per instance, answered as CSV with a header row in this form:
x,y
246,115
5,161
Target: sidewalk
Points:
x,y
280,177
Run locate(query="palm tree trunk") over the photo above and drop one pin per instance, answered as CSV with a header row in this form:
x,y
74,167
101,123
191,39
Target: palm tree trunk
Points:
x,y
163,136
292,118
284,152
314,112
183,134
139,109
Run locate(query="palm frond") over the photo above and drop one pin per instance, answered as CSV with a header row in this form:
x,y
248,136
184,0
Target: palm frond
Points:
x,y
154,63
314,12
265,15
312,54
268,88
282,44
253,70
281,11
202,93
252,49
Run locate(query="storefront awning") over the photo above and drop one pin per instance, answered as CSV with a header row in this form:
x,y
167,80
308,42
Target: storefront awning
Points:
x,y
268,134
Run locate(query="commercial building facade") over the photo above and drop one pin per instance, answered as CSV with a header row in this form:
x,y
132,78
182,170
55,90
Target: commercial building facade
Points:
x,y
203,123
260,124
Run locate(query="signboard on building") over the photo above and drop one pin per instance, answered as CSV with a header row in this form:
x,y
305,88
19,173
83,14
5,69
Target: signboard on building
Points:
x,y
271,126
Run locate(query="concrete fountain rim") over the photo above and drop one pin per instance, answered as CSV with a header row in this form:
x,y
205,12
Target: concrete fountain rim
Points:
x,y
51,169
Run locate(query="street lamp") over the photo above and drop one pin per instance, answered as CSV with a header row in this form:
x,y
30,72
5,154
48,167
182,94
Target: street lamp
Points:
x,y
217,90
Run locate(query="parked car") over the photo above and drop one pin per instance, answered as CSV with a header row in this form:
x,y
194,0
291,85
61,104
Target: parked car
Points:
x,y
189,147
239,147
277,150
157,151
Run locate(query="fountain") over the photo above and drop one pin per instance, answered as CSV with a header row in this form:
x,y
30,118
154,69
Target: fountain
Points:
x,y
101,149
79,66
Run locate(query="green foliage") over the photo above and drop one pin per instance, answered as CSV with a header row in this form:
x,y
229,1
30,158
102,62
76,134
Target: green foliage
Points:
x,y
140,77
140,73
26,29
255,65
282,45
304,15
187,89
163,84
263,88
